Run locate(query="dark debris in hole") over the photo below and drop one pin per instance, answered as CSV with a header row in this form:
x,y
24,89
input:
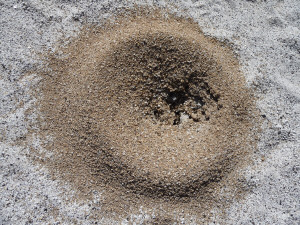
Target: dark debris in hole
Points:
x,y
184,102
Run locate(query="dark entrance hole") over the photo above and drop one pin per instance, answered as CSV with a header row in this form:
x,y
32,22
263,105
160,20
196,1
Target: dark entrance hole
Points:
x,y
176,98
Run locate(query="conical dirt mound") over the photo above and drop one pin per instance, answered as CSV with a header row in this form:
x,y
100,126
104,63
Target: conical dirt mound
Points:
x,y
148,104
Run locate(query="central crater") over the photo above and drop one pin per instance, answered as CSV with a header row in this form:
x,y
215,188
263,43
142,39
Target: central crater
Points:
x,y
152,106
171,78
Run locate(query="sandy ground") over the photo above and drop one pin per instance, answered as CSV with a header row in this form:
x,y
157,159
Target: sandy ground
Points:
x,y
264,34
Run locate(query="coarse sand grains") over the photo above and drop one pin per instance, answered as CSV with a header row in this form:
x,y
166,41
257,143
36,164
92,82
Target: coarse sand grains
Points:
x,y
148,111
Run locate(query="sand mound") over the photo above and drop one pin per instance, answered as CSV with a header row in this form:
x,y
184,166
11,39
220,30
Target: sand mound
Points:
x,y
148,104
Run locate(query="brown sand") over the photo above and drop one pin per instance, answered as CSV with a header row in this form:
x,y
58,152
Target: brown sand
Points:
x,y
149,111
